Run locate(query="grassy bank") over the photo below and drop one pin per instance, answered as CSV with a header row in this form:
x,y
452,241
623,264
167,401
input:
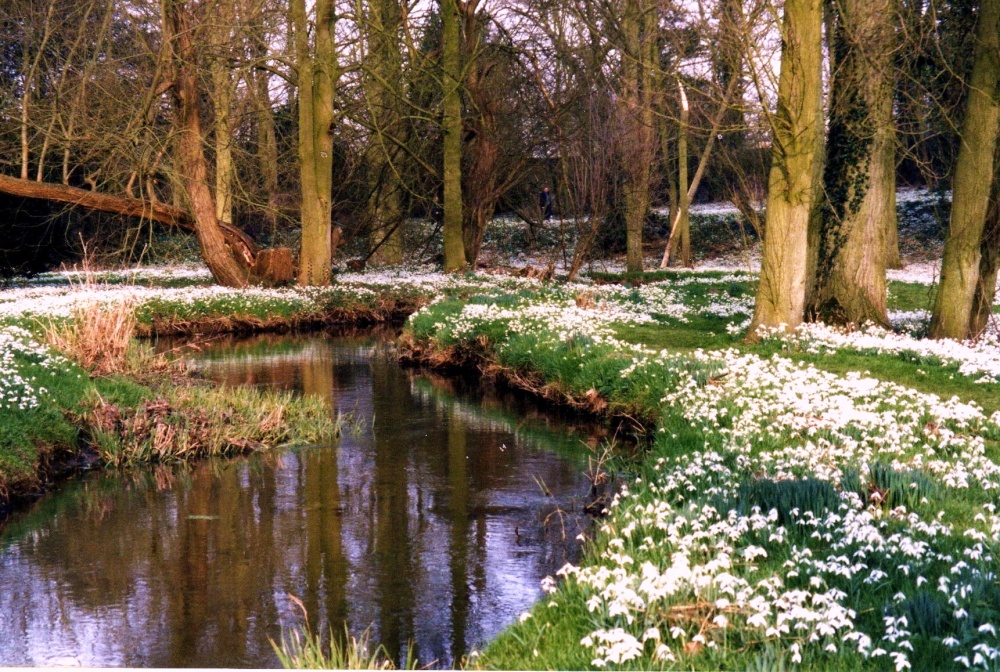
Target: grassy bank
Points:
x,y
806,501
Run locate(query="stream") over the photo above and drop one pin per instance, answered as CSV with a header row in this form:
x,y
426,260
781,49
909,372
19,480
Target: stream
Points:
x,y
430,522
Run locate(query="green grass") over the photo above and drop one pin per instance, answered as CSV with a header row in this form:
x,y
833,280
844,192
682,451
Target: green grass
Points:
x,y
706,333
33,436
910,296
301,648
130,419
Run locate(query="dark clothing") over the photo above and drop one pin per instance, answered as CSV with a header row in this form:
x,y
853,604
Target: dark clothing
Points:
x,y
437,214
545,203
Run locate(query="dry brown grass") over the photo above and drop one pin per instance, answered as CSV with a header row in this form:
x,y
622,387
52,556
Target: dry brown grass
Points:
x,y
100,337
97,337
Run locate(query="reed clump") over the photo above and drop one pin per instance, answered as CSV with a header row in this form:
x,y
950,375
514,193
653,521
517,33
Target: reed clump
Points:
x,y
192,421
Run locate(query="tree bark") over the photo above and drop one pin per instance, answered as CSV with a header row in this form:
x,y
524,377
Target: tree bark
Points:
x,y
680,231
637,147
222,103
451,127
952,315
858,212
796,166
218,256
384,90
318,71
989,264
267,141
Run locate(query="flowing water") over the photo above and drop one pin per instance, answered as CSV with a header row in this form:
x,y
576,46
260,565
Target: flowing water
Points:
x,y
431,522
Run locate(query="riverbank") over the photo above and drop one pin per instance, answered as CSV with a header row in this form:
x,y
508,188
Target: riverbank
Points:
x,y
808,500
64,405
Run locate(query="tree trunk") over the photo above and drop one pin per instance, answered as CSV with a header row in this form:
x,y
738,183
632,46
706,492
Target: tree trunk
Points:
x,y
318,72
384,89
194,170
222,103
858,212
637,147
796,169
953,305
480,188
989,264
451,127
681,231
267,141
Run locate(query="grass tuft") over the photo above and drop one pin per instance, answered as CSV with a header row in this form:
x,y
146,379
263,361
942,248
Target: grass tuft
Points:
x,y
193,421
301,648
98,337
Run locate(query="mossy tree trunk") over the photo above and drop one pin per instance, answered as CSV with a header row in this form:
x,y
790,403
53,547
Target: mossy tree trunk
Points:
x,y
858,211
796,170
989,264
318,72
451,127
960,268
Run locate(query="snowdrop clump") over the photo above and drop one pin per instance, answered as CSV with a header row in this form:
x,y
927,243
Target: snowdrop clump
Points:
x,y
18,389
683,559
979,359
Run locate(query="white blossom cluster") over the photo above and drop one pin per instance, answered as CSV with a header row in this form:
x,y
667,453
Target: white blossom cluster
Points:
x,y
20,390
979,359
677,566
677,570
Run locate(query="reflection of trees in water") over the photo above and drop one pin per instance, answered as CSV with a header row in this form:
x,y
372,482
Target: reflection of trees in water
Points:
x,y
426,524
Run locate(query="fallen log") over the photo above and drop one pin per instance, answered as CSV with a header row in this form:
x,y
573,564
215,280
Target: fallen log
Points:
x,y
154,211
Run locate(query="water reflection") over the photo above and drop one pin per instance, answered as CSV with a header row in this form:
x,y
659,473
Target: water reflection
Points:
x,y
434,520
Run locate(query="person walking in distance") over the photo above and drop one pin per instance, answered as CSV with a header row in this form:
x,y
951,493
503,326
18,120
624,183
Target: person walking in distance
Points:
x,y
545,204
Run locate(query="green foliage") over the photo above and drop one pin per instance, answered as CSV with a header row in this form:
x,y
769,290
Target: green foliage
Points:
x,y
801,496
906,487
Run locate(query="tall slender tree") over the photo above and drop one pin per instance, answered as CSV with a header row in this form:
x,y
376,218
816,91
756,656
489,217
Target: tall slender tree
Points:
x,y
451,127
318,72
637,144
